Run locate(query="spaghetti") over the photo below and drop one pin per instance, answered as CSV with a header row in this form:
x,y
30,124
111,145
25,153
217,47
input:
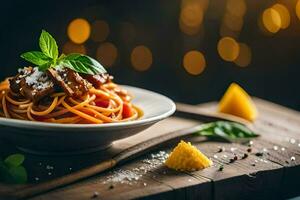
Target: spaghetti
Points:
x,y
106,104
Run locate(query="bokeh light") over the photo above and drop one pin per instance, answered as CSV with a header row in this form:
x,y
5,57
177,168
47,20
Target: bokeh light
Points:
x,y
194,62
245,55
100,31
284,15
271,20
79,30
232,22
191,15
141,58
107,54
71,47
298,9
228,48
236,7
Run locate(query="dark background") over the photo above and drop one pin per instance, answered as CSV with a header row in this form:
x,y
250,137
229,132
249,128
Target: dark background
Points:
x,y
273,73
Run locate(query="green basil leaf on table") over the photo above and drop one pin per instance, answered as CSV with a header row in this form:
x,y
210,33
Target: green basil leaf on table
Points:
x,y
14,160
12,171
227,130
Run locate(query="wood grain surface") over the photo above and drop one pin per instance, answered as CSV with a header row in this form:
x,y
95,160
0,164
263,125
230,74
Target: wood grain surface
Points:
x,y
271,170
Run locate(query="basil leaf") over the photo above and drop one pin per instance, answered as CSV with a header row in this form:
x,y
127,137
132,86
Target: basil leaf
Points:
x,y
48,45
14,160
83,64
44,67
226,130
18,175
35,57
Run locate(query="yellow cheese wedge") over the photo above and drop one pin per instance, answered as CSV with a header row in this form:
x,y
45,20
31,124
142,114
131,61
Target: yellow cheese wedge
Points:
x,y
237,102
186,157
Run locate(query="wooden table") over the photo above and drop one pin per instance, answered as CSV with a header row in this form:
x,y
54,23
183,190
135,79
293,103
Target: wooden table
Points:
x,y
272,175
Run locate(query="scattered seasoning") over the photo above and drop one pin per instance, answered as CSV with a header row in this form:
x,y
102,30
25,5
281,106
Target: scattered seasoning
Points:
x,y
131,176
95,195
259,154
215,156
145,184
299,145
250,142
293,158
282,149
190,180
233,149
245,156
235,157
275,148
70,168
221,167
253,164
48,167
225,156
221,149
249,150
49,173
231,160
256,161
265,149
40,164
287,162
36,178
111,187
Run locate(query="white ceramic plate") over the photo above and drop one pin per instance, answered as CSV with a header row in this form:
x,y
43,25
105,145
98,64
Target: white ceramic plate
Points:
x,y
50,138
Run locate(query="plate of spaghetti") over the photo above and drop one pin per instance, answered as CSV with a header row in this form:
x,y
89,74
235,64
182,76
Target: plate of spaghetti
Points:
x,y
70,104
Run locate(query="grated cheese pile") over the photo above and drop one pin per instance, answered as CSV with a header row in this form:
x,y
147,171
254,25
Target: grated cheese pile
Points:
x,y
186,157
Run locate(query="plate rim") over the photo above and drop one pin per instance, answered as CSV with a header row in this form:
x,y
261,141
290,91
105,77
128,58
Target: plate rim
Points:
x,y
46,125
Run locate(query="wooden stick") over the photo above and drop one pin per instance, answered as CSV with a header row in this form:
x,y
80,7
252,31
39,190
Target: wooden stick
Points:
x,y
124,156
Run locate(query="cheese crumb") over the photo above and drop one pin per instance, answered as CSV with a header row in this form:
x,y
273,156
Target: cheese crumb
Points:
x,y
186,157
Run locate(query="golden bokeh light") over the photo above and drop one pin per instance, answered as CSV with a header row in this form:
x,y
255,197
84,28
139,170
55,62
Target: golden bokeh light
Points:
x,y
284,15
100,31
70,47
141,58
227,32
236,7
107,54
192,15
194,62
228,48
245,55
234,23
298,9
188,29
271,20
79,30
202,3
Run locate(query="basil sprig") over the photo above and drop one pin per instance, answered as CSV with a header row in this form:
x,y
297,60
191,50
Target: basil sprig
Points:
x,y
12,171
48,57
230,131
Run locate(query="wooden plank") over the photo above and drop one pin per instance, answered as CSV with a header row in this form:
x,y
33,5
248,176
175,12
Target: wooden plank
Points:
x,y
268,176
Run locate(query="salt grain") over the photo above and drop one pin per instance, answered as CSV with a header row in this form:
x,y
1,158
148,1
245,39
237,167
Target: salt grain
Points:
x,y
282,149
275,148
132,176
293,158
292,141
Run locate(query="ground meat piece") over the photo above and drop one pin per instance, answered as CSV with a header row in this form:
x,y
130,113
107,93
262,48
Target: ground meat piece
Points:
x,y
97,80
70,81
32,84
